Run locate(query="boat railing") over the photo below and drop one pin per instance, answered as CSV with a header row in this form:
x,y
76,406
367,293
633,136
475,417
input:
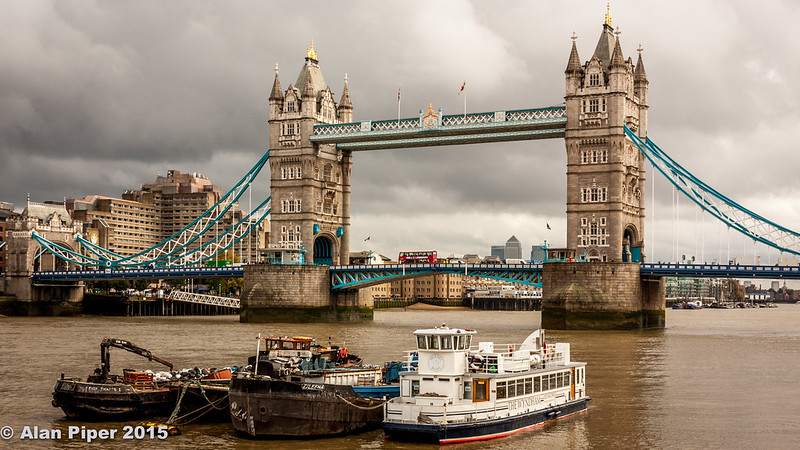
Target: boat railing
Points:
x,y
410,361
553,357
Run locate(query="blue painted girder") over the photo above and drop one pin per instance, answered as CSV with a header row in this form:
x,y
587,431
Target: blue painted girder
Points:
x,y
356,277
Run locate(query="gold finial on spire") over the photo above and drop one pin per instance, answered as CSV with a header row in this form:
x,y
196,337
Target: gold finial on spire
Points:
x,y
574,36
608,14
311,53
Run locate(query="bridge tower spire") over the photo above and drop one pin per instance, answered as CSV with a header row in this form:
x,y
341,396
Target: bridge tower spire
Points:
x,y
309,183
605,172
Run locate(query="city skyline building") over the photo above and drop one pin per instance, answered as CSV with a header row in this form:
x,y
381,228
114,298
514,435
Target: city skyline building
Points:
x,y
513,248
499,251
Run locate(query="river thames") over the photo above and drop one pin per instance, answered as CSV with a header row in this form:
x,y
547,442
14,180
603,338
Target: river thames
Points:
x,y
711,379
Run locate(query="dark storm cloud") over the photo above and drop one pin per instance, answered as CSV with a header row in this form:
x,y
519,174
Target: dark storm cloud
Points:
x,y
98,97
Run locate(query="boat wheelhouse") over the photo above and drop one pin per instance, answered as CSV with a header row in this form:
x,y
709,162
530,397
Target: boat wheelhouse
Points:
x,y
452,391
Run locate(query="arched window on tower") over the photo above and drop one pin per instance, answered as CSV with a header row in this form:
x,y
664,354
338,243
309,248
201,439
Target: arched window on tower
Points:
x,y
327,173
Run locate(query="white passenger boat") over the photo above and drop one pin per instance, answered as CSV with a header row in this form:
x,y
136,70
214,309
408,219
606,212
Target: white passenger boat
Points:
x,y
452,392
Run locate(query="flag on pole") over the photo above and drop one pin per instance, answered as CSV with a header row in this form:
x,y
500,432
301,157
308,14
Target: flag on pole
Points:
x,y
548,225
462,87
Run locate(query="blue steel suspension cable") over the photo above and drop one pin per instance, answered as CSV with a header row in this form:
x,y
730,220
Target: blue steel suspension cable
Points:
x,y
230,231
700,193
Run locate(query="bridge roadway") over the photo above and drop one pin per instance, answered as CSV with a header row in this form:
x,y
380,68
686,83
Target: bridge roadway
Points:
x,y
355,277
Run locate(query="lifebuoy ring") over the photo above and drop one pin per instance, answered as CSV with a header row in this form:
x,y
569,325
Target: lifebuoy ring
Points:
x,y
343,353
476,362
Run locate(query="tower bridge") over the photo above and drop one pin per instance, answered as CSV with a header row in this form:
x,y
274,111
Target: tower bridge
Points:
x,y
603,121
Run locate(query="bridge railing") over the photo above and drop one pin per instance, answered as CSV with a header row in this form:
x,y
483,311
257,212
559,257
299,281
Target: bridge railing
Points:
x,y
204,299
721,270
229,271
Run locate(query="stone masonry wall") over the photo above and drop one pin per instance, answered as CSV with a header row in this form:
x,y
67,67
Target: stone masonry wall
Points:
x,y
277,285
610,295
295,293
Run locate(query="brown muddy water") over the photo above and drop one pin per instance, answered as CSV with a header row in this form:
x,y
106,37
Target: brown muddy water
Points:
x,y
711,379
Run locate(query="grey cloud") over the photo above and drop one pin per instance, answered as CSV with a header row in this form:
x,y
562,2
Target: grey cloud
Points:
x,y
96,97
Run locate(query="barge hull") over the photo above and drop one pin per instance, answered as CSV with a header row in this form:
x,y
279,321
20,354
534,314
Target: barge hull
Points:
x,y
278,409
479,431
97,401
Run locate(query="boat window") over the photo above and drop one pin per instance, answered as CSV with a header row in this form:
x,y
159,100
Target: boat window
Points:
x,y
545,383
433,342
414,388
537,384
520,387
501,390
480,390
467,389
421,342
512,389
447,343
528,386
467,341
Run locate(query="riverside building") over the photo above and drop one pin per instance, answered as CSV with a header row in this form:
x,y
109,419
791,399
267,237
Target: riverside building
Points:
x,y
144,217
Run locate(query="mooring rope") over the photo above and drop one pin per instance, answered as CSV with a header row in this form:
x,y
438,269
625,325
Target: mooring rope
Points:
x,y
365,408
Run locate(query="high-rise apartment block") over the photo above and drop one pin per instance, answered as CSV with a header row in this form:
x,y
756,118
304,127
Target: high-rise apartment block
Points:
x,y
145,217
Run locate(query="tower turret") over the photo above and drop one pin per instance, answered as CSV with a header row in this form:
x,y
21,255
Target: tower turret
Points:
x,y
640,79
276,96
617,69
574,70
345,109
309,97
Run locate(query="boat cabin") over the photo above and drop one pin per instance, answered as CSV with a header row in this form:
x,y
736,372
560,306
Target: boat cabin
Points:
x,y
289,343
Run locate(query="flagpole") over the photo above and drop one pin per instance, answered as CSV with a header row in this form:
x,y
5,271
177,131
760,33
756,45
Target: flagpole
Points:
x,y
462,91
398,103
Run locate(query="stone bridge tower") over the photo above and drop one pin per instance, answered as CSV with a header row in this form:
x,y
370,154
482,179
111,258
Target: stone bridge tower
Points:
x,y
309,183
24,256
605,171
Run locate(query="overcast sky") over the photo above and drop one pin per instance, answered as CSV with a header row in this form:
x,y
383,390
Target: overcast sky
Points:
x,y
99,97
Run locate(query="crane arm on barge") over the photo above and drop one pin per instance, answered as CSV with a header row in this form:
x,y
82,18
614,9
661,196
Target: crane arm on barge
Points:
x,y
105,354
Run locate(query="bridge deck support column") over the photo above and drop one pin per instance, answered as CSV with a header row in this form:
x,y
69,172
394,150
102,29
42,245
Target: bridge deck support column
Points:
x,y
296,294
600,296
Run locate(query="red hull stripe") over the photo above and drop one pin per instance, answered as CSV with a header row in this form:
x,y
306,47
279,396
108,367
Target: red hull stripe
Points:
x,y
506,433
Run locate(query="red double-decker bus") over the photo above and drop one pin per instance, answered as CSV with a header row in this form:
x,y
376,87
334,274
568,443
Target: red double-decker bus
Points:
x,y
426,257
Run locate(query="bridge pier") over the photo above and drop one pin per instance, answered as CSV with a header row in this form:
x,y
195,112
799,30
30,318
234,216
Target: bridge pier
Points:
x,y
57,299
298,293
600,296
